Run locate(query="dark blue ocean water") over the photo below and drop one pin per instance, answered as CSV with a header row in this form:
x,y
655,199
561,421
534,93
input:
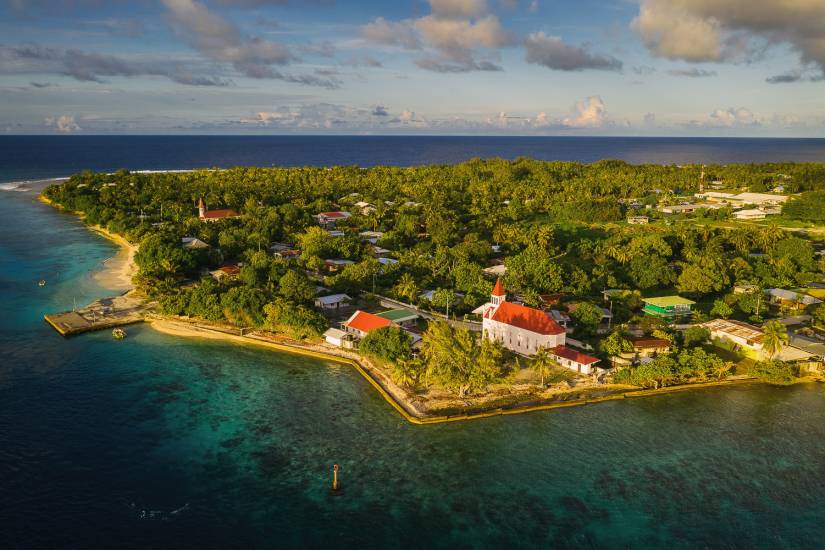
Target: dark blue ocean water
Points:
x,y
23,157
93,432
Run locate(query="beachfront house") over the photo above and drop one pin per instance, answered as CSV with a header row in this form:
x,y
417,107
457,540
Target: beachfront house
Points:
x,y
206,215
327,220
741,336
361,323
332,302
669,308
646,346
526,330
339,338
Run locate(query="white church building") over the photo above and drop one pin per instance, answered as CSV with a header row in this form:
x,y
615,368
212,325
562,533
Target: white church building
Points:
x,y
525,330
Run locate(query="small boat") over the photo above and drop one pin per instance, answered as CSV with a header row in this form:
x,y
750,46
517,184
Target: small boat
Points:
x,y
119,333
41,282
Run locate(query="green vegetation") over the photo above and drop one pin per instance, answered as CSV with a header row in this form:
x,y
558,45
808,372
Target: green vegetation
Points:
x,y
773,372
675,368
776,337
557,227
809,207
454,359
389,344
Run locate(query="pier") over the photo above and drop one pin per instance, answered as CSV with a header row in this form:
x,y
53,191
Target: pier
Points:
x,y
101,314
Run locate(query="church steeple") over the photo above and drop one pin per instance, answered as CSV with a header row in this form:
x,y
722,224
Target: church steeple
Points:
x,y
201,208
498,294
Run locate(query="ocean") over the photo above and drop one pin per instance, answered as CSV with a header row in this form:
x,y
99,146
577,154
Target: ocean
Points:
x,y
164,442
25,157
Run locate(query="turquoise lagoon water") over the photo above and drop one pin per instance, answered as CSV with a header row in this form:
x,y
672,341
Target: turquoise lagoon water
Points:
x,y
95,434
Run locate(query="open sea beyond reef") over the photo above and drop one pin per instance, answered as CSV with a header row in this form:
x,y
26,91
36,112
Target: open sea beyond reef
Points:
x,y
158,441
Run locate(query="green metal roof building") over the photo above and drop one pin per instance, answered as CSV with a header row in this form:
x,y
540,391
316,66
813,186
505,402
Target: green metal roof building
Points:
x,y
668,307
398,316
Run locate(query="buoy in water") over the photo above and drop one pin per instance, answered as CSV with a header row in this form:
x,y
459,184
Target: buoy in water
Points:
x,y
336,487
41,282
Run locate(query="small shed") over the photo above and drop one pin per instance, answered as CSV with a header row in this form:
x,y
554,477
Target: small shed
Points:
x,y
332,302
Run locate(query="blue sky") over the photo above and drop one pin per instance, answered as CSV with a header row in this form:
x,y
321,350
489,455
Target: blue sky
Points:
x,y
520,67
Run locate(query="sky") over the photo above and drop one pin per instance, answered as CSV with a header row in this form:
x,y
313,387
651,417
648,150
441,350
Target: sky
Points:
x,y
497,67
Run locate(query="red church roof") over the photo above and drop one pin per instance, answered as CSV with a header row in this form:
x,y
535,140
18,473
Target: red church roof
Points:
x,y
527,318
215,214
498,290
365,322
573,355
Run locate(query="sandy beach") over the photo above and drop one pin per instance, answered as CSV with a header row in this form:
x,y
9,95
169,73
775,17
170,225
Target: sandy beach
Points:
x,y
118,270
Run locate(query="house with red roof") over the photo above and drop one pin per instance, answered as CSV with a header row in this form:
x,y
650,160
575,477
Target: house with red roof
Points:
x,y
327,220
207,215
361,323
526,330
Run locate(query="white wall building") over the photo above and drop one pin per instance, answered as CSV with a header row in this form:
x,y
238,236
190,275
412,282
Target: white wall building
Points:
x,y
525,330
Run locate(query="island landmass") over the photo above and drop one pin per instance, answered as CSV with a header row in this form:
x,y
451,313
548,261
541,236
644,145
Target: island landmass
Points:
x,y
488,287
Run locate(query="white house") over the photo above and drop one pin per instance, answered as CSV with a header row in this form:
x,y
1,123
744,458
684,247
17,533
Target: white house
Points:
x,y
338,338
790,298
525,330
758,199
335,301
739,333
750,214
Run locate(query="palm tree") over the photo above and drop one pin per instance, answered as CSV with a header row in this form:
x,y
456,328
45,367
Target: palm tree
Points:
x,y
543,364
407,287
741,240
406,371
767,237
776,336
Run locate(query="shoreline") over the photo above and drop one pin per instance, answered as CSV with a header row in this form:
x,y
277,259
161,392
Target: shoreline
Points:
x,y
118,270
400,400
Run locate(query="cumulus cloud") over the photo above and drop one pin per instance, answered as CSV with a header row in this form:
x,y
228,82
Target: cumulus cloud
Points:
x,y
590,113
219,39
691,73
65,124
455,31
391,33
458,9
380,110
732,117
724,30
552,53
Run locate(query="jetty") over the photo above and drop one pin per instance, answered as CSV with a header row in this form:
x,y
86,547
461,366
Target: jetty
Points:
x,y
106,313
